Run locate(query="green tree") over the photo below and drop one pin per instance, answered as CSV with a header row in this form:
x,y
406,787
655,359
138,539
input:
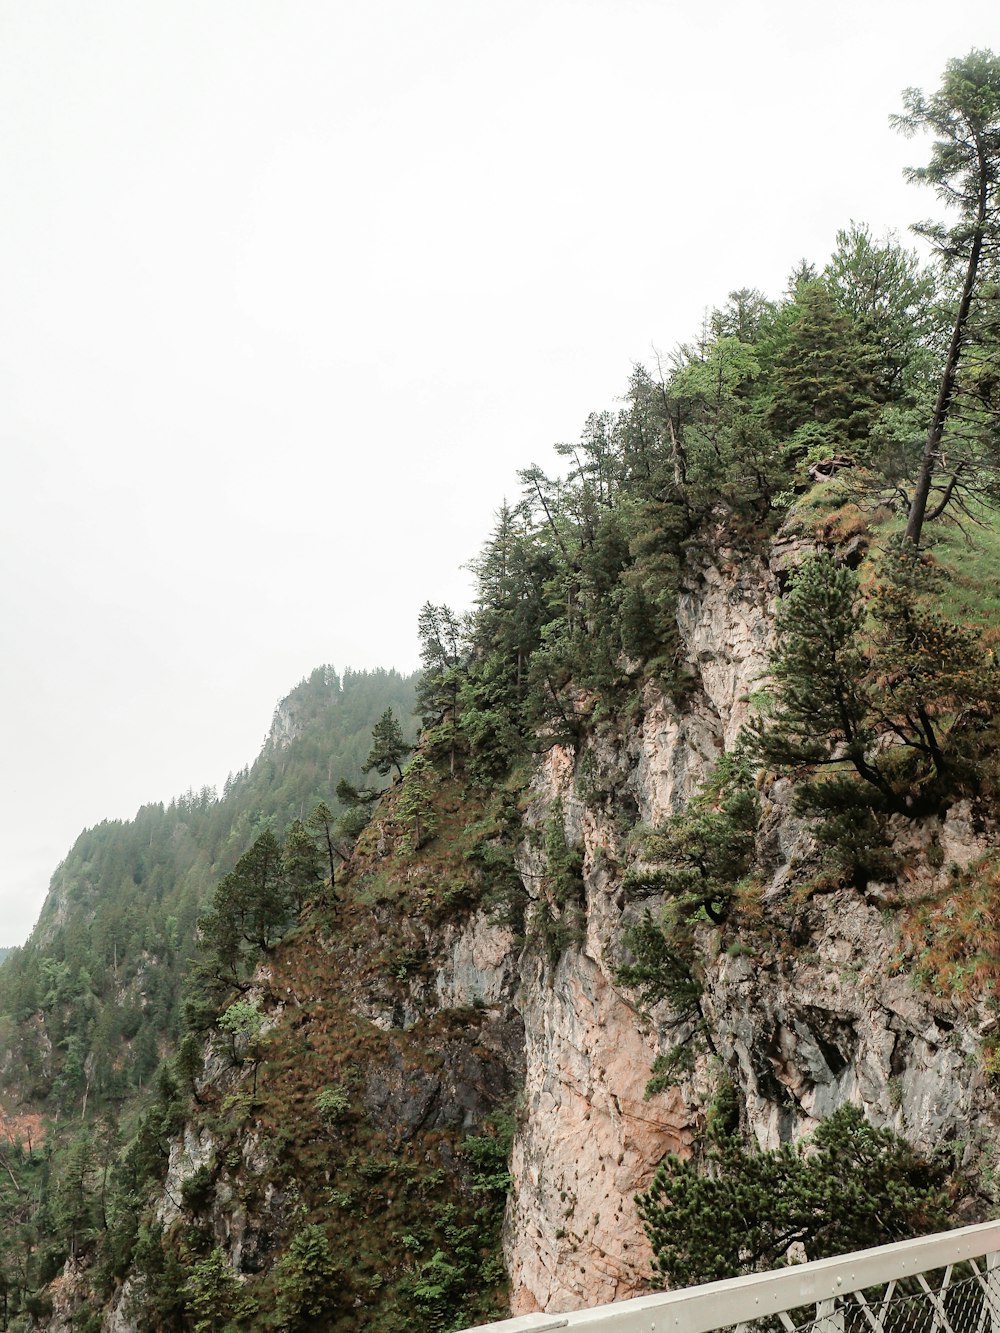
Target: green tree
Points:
x,y
697,858
514,574
721,440
887,688
847,1187
389,745
821,713
441,652
357,803
302,865
821,387
250,909
743,316
660,963
415,807
189,1063
891,303
308,1282
74,1206
214,1296
333,830
244,1023
964,172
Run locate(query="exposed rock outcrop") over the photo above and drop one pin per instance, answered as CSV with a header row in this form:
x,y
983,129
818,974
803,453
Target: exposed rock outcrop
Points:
x,y
810,1008
799,1030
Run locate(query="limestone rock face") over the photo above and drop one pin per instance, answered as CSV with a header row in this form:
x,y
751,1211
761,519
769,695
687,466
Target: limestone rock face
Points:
x,y
589,1141
827,1016
480,967
817,1009
188,1153
838,1022
725,626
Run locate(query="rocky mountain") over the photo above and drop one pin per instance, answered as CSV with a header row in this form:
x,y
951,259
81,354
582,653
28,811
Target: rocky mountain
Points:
x,y
461,998
696,849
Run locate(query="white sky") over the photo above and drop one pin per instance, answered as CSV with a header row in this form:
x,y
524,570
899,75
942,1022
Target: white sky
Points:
x,y
291,289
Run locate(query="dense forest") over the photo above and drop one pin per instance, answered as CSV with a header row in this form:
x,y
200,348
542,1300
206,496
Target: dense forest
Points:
x,y
104,967
853,420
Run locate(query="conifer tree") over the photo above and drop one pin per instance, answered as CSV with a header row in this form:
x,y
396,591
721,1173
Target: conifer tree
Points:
x,y
388,745
849,1187
698,857
301,862
964,172
308,1282
323,823
892,305
821,387
214,1296
441,649
250,909
886,687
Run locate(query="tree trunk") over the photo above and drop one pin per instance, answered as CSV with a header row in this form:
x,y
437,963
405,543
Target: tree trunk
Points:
x,y
949,377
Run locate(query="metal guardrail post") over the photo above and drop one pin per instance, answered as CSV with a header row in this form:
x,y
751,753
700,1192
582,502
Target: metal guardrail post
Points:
x,y
829,1317
991,1289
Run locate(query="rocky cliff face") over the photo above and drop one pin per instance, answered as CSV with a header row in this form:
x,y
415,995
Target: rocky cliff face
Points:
x,y
589,1140
819,1010
807,1006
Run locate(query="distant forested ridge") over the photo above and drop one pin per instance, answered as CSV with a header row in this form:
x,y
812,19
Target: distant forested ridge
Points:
x,y
104,965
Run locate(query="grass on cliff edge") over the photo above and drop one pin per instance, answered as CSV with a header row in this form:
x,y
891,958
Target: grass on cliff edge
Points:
x,y
971,555
968,550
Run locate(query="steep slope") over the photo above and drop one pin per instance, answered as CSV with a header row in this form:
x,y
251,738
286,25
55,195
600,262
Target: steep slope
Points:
x,y
808,1001
91,1004
467,982
103,968
698,841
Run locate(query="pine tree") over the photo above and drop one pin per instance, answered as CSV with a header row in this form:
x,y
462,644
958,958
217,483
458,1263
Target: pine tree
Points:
x,y
250,909
887,688
388,745
307,1280
891,303
301,862
848,1187
964,172
697,858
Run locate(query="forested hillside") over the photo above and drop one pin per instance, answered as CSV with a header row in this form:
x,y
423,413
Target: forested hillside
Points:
x,y
91,1002
695,858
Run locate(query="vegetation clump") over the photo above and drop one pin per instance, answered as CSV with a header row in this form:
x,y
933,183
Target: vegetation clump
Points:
x,y
847,1187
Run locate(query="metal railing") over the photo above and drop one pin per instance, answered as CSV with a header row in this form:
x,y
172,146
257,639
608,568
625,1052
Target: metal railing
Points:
x,y
948,1283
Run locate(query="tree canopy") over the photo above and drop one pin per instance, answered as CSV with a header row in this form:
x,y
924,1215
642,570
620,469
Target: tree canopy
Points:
x,y
960,449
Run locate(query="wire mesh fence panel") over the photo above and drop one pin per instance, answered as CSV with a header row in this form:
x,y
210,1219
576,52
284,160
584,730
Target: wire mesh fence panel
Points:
x,y
961,1298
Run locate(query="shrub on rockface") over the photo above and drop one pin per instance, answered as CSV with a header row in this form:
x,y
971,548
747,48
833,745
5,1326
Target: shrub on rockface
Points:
x,y
846,1187
880,705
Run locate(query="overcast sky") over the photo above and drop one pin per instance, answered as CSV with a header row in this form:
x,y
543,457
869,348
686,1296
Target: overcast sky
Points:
x,y
290,290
